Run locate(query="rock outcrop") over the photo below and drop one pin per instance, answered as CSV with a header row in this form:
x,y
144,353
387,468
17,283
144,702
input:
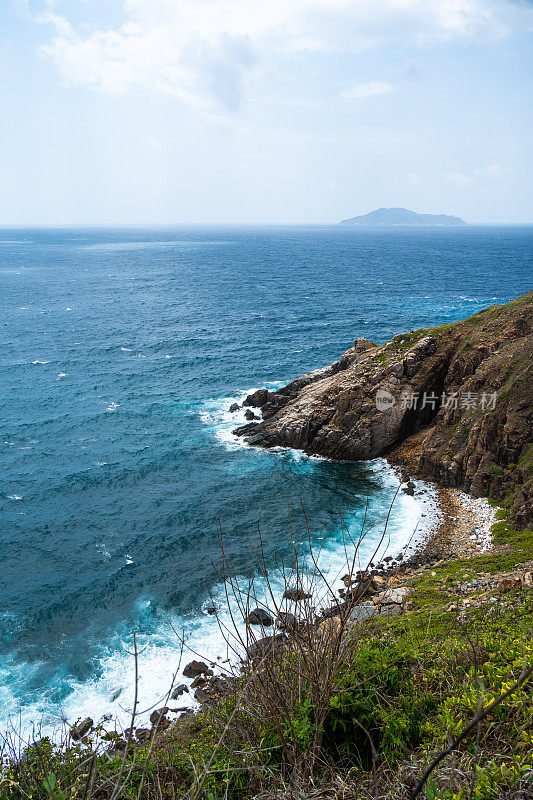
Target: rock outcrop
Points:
x,y
464,390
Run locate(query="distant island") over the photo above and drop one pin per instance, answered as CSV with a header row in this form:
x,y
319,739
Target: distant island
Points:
x,y
402,216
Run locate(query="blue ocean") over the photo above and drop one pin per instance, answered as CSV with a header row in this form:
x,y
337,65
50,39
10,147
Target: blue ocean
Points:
x,y
121,352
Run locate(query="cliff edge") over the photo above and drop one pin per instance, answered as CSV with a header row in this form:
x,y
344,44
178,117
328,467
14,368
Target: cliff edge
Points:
x,y
463,391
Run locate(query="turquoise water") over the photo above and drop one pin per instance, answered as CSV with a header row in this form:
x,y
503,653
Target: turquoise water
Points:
x,y
121,351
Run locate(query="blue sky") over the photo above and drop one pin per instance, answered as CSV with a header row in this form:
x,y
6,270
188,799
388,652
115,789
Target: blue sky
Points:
x,y
246,111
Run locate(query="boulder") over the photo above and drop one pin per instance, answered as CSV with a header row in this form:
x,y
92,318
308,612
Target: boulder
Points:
x,y
509,585
295,595
257,398
233,408
361,345
287,621
396,596
259,617
195,668
363,611
80,730
202,696
268,644
333,611
178,691
250,415
157,716
328,630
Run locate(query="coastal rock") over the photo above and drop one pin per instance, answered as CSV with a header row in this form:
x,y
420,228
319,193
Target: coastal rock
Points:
x,y
295,595
363,611
80,730
257,398
286,621
157,716
250,415
263,647
234,407
461,393
396,596
178,691
195,668
259,617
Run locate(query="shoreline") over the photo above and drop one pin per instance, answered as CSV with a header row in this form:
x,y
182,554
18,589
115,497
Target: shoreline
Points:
x,y
464,523
442,531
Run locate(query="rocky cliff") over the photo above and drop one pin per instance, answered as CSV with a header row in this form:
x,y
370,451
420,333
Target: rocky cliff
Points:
x,y
463,392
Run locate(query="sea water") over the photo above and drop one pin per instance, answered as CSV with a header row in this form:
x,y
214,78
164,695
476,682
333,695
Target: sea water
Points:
x,y
121,352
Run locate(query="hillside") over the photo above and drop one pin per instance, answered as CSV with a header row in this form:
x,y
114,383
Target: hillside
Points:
x,y
463,392
402,216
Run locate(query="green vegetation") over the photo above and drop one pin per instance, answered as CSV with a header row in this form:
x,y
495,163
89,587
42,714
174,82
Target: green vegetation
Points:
x,y
403,688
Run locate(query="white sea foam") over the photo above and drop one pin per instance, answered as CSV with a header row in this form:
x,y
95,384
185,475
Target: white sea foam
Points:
x,y
112,406
40,362
14,497
110,690
215,414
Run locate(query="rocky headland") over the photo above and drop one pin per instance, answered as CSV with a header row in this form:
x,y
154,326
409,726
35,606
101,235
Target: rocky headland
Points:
x,y
451,404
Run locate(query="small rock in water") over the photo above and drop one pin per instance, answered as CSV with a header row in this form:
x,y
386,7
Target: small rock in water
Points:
x,y
233,408
260,617
179,690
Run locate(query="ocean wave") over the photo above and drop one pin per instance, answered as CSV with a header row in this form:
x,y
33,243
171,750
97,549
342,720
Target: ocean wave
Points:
x,y
170,641
147,245
174,640
215,414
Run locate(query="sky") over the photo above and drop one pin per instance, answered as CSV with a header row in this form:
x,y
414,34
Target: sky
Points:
x,y
264,111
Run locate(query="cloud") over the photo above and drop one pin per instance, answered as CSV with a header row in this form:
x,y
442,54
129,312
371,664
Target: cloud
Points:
x,y
369,89
458,179
491,174
204,51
